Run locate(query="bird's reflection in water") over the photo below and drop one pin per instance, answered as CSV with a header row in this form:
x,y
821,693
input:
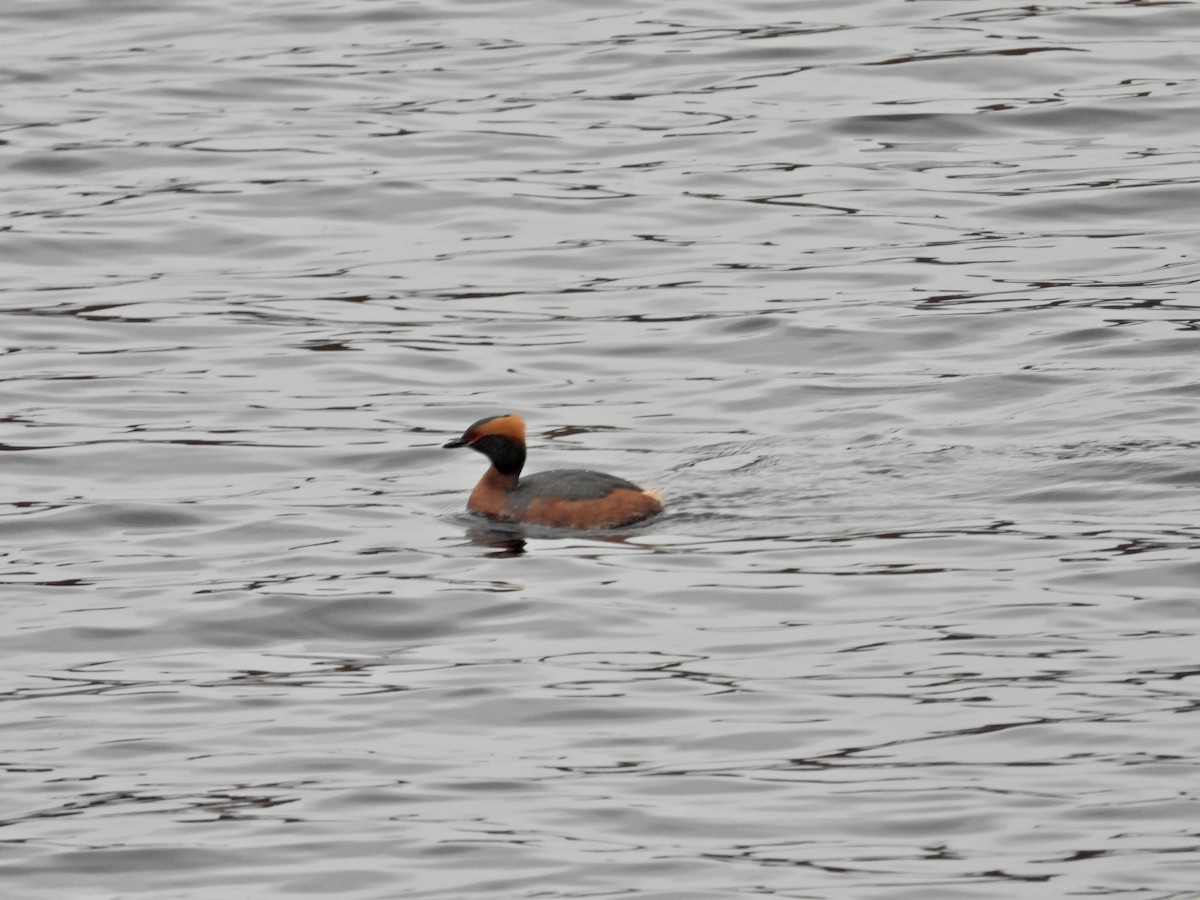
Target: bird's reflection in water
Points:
x,y
510,538
505,538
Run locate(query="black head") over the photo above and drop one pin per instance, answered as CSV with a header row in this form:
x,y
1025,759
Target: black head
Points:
x,y
500,438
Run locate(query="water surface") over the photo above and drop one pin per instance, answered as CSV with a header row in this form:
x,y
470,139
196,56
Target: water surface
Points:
x,y
895,301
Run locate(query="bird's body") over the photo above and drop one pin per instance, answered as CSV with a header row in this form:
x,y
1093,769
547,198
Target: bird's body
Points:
x,y
565,498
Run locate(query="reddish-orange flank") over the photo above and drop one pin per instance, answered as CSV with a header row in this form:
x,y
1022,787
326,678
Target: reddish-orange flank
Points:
x,y
565,498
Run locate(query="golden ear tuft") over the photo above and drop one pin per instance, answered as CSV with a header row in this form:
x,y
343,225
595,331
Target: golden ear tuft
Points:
x,y
509,425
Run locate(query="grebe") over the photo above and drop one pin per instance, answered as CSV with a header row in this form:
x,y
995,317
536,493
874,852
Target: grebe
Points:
x,y
564,498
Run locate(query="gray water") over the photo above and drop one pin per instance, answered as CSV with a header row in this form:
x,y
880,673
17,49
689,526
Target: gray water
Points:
x,y
896,302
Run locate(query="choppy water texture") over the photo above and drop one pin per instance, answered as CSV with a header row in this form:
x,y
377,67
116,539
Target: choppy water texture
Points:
x,y
895,300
